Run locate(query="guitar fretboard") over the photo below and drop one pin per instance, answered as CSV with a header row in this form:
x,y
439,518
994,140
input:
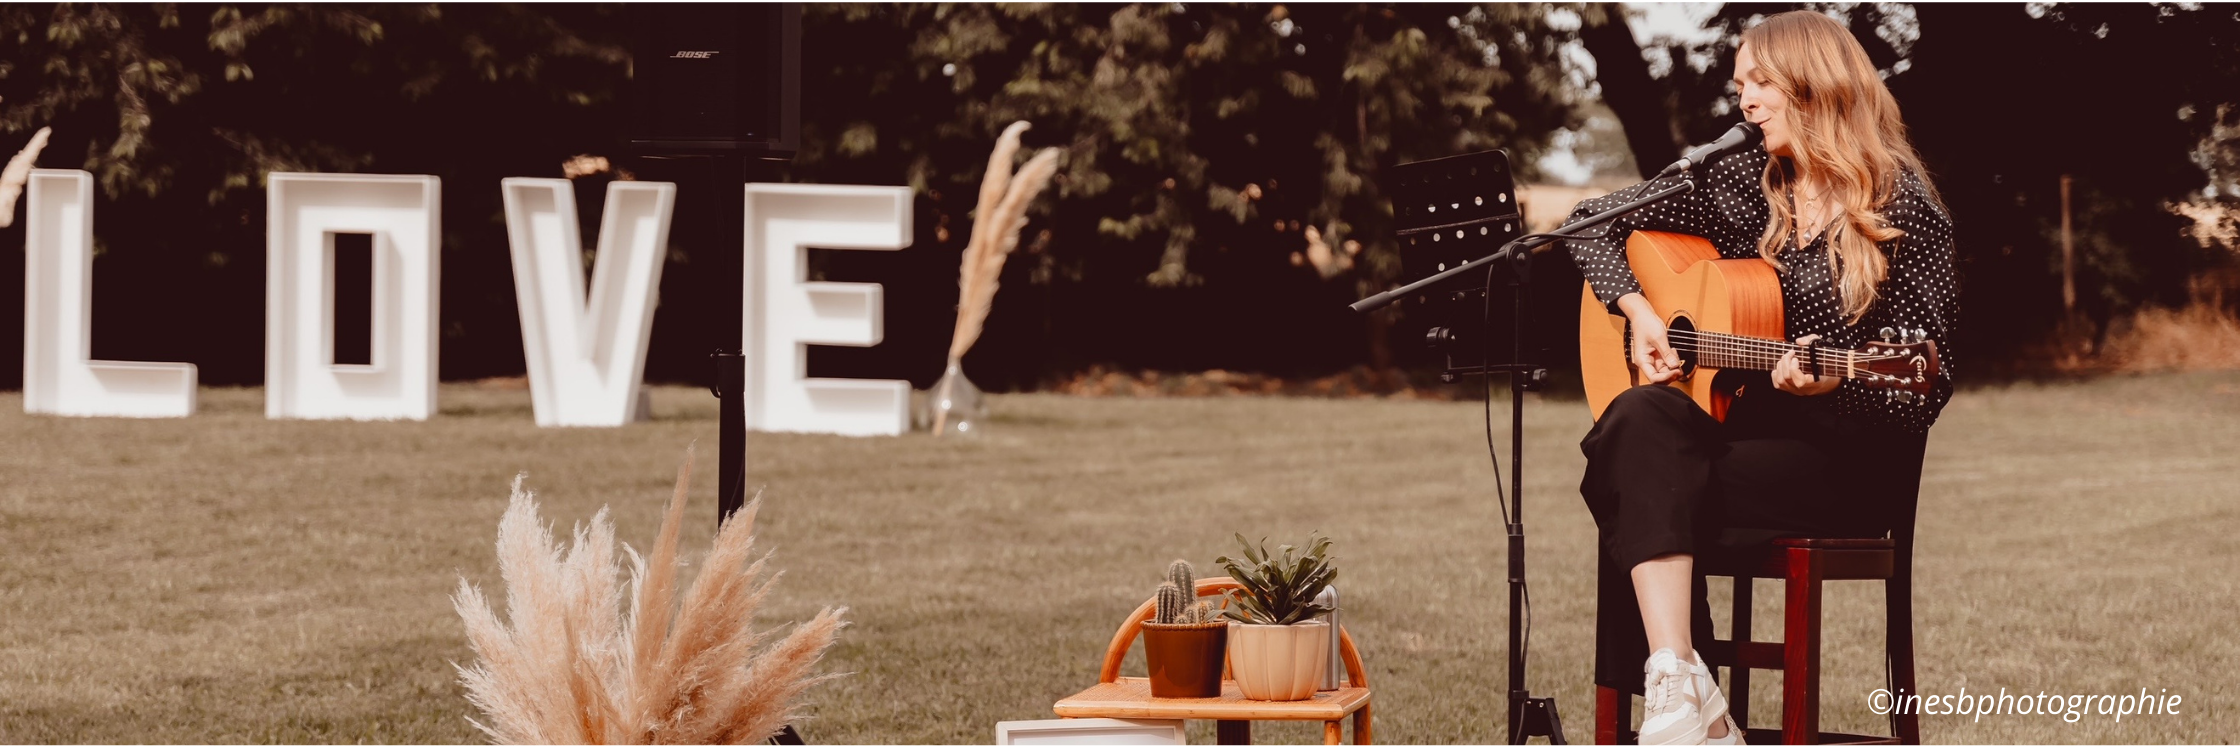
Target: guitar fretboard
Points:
x,y
1736,352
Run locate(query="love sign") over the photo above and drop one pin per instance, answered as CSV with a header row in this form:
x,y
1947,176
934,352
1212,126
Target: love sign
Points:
x,y
586,358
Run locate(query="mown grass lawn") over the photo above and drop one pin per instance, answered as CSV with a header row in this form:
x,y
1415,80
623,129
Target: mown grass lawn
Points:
x,y
225,578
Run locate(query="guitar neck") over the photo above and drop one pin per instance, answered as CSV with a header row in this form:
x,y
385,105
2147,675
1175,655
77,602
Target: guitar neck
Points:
x,y
1736,352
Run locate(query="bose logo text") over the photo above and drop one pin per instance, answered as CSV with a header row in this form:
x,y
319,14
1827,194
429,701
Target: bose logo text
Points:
x,y
689,55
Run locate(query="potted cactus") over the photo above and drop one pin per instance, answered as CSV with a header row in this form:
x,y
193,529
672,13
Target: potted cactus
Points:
x,y
1277,650
1184,642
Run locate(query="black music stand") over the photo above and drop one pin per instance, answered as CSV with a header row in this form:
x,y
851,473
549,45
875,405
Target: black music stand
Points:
x,y
1450,214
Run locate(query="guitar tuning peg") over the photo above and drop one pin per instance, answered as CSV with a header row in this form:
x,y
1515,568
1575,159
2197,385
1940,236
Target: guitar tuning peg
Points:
x,y
1920,335
1889,335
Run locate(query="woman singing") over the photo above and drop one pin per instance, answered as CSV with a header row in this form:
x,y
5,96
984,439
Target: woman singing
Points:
x,y
1839,205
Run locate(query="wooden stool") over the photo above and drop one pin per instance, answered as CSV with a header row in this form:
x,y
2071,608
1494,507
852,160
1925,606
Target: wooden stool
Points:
x,y
1115,696
1803,564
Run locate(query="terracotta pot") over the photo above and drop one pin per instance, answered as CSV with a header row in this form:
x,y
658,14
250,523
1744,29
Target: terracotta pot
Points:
x,y
1279,662
1185,660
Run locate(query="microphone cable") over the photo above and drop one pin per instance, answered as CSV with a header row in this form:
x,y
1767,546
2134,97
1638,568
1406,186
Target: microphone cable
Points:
x,y
1493,452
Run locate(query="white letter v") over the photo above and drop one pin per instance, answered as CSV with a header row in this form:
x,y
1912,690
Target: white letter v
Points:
x,y
586,359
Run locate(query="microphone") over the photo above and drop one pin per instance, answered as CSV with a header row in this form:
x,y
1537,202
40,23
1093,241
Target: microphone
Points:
x,y
1742,135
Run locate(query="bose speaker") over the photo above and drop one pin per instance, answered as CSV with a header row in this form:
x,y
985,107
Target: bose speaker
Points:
x,y
716,78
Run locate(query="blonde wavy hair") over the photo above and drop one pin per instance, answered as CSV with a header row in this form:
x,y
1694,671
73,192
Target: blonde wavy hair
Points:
x,y
1848,135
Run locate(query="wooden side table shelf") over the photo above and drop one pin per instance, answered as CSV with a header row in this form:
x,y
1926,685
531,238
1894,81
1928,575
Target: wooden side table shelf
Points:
x,y
1130,697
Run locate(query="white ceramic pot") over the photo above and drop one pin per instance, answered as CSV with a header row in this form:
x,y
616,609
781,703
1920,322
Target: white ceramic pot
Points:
x,y
1279,662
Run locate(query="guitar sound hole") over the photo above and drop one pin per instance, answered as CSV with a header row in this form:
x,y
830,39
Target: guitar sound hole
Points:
x,y
1686,348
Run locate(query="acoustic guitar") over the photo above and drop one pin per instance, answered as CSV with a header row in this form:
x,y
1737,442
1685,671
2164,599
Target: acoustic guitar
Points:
x,y
1725,315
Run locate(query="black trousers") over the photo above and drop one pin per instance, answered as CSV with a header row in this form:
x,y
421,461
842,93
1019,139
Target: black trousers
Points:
x,y
1664,477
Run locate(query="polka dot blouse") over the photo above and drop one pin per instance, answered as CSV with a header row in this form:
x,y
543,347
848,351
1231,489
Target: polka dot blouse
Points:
x,y
1729,209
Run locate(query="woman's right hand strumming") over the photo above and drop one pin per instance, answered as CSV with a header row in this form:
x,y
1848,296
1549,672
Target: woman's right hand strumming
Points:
x,y
1652,347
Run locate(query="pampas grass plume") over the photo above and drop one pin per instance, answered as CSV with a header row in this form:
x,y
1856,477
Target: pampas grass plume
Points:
x,y
18,174
567,667
1002,211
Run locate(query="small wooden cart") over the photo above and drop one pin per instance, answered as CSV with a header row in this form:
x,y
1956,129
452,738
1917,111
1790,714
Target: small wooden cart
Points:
x,y
1115,696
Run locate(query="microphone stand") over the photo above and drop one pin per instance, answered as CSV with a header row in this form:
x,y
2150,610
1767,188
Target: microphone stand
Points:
x,y
1528,716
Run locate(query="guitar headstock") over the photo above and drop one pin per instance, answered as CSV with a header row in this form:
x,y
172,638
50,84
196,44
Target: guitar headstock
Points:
x,y
1904,362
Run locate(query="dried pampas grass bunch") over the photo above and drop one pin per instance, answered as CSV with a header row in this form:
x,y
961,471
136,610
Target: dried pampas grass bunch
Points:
x,y
1004,197
568,668
1002,211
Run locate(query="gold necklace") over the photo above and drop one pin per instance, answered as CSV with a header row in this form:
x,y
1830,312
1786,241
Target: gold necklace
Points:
x,y
1814,200
1809,206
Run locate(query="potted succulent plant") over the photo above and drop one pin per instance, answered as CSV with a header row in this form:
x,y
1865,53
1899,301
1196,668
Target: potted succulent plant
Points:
x,y
1277,650
1184,642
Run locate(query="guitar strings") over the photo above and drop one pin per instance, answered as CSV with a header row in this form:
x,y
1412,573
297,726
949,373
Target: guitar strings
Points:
x,y
1758,342
1755,351
1747,351
1738,340
1837,370
1766,363
1729,348
1733,349
1735,340
1828,369
1757,346
1761,354
1770,360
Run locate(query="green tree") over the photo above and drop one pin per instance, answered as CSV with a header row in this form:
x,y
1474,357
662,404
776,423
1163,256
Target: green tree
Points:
x,y
212,97
1201,139
180,110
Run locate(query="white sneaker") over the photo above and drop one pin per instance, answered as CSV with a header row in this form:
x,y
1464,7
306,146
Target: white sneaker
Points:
x,y
1674,710
1714,705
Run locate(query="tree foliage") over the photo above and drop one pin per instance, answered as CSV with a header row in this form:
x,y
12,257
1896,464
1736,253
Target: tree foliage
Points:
x,y
1200,139
210,98
181,110
2135,103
